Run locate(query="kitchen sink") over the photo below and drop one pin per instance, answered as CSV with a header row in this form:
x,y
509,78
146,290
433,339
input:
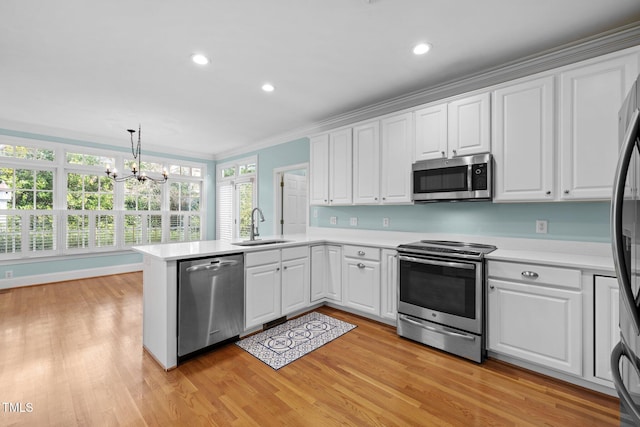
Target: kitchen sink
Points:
x,y
260,242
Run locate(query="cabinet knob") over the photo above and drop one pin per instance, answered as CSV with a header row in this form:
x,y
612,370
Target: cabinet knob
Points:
x,y
455,153
361,253
444,154
548,193
530,274
375,198
491,287
361,265
284,268
566,191
277,268
325,200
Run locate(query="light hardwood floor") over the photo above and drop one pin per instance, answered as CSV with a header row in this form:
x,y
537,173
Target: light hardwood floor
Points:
x,y
72,352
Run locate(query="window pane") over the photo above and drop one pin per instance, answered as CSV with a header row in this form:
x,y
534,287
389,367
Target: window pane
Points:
x,y
132,229
105,231
154,228
224,210
42,236
196,172
77,231
245,200
176,228
226,173
247,169
10,234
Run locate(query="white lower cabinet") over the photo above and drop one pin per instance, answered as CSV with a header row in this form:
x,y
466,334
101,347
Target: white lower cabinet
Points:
x,y
389,285
326,273
361,273
276,284
606,321
535,314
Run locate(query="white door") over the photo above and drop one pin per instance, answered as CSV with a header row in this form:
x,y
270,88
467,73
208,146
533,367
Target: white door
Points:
x,y
295,285
431,132
523,142
469,125
334,273
319,171
319,269
362,285
607,317
294,203
396,158
262,299
366,163
340,167
590,98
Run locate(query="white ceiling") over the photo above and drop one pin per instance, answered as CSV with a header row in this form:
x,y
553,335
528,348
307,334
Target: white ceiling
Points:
x,y
99,67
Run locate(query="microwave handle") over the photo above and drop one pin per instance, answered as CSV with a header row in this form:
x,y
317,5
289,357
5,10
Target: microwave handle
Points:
x,y
438,263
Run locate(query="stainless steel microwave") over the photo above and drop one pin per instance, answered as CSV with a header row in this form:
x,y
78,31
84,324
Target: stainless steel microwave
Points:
x,y
459,178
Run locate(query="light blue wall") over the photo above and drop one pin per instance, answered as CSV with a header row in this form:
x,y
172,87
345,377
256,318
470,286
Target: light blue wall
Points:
x,y
70,263
581,221
270,158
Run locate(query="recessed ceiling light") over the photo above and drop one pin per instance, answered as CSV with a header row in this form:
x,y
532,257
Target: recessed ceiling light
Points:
x,y
268,87
421,48
199,59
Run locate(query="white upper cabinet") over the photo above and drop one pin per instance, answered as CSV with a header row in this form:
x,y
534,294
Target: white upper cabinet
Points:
x,y
457,128
382,161
319,179
591,94
396,158
523,143
431,132
469,125
366,163
331,167
340,167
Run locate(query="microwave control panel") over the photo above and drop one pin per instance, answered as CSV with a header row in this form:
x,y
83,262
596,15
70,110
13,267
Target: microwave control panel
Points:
x,y
479,177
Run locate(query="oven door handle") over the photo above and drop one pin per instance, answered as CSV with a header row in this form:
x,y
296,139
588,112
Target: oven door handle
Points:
x,y
439,331
435,262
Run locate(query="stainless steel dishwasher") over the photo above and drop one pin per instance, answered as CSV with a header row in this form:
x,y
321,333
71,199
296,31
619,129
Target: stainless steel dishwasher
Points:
x,y
210,303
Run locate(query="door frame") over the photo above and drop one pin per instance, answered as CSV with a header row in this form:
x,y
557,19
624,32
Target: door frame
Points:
x,y
277,195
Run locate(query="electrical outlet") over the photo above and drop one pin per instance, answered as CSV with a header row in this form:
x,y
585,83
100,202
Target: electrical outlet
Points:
x,y
353,221
315,212
541,226
385,222
8,274
333,220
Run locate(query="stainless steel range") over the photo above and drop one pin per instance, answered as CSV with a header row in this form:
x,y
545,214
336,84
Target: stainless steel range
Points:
x,y
441,295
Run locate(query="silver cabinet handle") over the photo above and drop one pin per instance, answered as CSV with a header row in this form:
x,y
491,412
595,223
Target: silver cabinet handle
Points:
x,y
361,265
530,274
213,265
439,263
361,253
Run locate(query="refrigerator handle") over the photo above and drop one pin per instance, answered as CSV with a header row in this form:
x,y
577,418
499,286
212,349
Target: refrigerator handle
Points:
x,y
617,237
618,352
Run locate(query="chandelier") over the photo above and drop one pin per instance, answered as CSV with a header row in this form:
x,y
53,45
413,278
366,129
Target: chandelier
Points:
x,y
136,173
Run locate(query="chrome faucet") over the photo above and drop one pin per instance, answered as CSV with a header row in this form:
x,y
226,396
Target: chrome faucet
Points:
x,y
254,227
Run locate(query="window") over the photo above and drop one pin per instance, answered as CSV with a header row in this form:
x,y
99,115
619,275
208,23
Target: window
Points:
x,y
56,199
236,197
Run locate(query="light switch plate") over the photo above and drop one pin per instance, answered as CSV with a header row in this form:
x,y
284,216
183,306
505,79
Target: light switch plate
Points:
x,y
385,222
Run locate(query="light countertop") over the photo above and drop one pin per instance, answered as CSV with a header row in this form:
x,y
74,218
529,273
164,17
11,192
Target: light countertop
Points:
x,y
582,255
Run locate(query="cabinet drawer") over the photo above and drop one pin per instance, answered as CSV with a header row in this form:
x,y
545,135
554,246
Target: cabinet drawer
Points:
x,y
362,252
262,257
295,253
535,274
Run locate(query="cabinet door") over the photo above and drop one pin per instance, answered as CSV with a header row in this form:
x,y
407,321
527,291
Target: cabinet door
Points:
x,y
295,285
319,179
362,285
590,98
396,159
319,270
523,143
607,317
469,125
431,132
262,294
366,163
537,324
389,285
340,167
334,273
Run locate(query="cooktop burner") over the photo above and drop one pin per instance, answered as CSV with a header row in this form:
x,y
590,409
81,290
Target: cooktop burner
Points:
x,y
447,248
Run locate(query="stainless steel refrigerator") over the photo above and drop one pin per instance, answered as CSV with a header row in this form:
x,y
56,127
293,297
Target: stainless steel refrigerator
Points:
x,y
625,235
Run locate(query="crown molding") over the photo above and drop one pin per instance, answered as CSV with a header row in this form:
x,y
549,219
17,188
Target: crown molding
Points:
x,y
601,44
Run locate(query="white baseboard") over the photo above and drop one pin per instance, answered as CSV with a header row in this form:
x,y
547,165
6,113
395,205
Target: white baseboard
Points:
x,y
41,279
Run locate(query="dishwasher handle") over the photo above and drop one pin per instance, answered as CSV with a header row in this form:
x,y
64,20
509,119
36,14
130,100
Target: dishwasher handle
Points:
x,y
214,265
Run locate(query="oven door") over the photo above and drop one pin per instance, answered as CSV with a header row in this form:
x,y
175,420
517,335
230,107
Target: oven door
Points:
x,y
442,291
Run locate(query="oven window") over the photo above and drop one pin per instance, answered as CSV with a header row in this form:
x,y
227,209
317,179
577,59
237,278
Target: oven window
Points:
x,y
439,288
440,180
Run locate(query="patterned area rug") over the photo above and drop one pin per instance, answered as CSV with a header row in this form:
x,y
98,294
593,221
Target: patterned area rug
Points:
x,y
293,339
